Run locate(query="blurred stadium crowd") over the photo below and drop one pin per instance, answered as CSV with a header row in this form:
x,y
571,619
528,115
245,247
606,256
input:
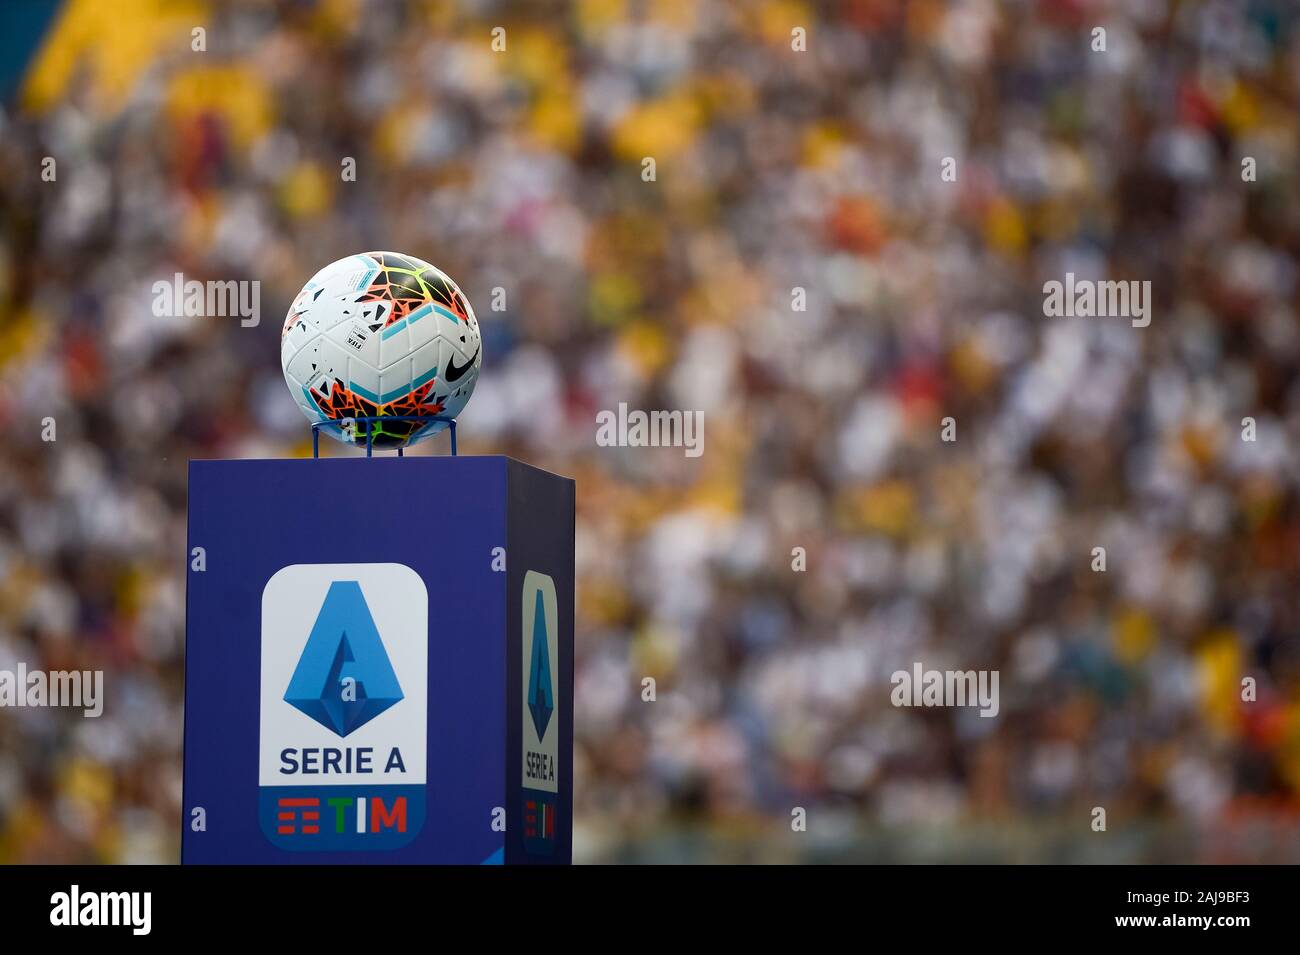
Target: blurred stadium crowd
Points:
x,y
776,171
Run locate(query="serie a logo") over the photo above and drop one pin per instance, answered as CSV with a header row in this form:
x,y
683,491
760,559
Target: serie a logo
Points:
x,y
540,731
344,707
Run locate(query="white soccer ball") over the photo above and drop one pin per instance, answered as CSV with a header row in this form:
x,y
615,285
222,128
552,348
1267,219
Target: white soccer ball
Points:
x,y
381,335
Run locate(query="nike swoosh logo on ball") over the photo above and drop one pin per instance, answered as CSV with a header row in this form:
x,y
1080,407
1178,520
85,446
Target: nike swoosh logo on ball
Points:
x,y
453,373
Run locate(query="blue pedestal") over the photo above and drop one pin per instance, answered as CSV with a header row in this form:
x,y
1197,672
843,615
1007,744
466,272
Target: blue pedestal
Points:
x,y
379,662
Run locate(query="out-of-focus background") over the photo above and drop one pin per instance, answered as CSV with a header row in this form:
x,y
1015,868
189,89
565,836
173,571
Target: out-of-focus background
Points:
x,y
776,170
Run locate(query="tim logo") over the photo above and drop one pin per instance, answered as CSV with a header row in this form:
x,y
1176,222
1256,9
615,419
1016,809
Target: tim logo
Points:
x,y
344,707
539,821
541,733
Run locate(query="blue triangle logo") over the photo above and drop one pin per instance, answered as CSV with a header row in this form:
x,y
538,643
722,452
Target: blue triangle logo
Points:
x,y
344,678
541,697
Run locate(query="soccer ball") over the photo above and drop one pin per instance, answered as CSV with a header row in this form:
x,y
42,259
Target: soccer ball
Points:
x,y
381,335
